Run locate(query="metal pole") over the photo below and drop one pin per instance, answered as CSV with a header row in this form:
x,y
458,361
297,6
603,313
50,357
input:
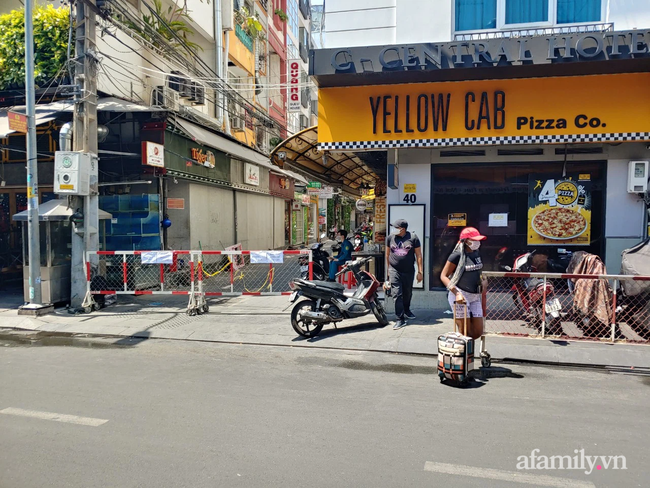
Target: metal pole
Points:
x,y
33,236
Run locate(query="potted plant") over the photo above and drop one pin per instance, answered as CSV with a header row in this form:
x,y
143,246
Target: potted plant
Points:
x,y
280,13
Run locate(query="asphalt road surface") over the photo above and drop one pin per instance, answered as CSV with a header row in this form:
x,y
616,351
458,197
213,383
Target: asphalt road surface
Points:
x,y
178,414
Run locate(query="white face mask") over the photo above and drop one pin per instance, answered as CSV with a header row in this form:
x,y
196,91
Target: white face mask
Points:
x,y
396,231
474,245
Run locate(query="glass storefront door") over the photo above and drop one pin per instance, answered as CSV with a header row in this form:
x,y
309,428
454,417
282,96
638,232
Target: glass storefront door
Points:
x,y
477,191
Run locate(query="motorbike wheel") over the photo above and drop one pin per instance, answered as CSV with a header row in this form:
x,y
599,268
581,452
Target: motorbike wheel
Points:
x,y
380,314
303,326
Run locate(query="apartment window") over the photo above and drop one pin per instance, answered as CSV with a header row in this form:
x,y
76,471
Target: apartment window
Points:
x,y
503,14
574,11
526,11
476,14
292,12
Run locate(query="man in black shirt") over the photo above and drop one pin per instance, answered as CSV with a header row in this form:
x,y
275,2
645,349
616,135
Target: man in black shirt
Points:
x,y
402,250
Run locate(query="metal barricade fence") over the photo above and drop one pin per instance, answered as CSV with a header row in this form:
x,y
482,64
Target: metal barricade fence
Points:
x,y
611,307
196,274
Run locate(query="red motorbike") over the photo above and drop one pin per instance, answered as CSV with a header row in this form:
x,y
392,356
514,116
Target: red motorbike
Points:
x,y
529,293
326,303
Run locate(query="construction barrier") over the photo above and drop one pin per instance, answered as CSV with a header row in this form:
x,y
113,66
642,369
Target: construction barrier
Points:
x,y
197,274
611,307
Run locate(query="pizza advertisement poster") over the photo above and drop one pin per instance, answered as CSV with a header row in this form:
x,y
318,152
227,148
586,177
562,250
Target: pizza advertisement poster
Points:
x,y
559,210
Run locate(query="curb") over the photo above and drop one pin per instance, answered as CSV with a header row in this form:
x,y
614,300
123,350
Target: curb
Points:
x,y
614,369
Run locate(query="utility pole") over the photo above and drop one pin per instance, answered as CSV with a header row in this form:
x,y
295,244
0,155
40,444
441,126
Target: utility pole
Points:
x,y
85,140
33,231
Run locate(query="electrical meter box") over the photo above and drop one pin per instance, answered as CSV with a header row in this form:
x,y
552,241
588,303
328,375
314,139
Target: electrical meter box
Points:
x,y
637,177
72,172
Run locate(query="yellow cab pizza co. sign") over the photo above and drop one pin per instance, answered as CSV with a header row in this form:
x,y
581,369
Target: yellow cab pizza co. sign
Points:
x,y
537,110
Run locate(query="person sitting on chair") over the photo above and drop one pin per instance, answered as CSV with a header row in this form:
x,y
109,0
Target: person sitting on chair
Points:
x,y
344,255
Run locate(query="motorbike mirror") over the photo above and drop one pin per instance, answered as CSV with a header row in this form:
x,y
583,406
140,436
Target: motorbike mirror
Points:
x,y
323,235
506,268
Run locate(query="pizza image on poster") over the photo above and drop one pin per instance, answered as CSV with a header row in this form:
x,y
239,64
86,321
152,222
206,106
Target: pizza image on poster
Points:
x,y
559,210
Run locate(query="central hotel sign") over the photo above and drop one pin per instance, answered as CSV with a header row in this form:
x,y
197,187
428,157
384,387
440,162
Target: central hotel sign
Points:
x,y
561,109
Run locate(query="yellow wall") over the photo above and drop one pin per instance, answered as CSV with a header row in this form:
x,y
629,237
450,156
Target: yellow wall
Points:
x,y
561,106
240,55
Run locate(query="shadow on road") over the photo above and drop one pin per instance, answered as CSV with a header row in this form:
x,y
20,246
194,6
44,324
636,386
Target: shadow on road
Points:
x,y
134,339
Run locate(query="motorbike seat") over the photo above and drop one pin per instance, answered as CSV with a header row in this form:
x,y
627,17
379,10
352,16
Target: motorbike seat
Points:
x,y
329,284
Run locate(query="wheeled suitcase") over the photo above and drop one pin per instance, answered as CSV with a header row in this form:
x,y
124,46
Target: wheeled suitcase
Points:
x,y
456,351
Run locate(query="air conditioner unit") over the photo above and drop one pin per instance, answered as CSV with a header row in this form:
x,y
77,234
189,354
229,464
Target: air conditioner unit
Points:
x,y
237,123
198,94
165,97
185,88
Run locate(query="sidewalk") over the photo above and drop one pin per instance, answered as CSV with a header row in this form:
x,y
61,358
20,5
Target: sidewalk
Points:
x,y
266,321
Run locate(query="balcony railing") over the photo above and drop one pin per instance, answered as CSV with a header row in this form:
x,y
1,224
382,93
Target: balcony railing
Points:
x,y
305,8
265,4
534,32
244,37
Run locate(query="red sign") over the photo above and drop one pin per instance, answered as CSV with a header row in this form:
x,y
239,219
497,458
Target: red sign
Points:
x,y
281,186
17,122
176,203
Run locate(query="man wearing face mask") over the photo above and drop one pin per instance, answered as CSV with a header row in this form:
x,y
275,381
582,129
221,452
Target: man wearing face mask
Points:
x,y
402,250
462,277
344,255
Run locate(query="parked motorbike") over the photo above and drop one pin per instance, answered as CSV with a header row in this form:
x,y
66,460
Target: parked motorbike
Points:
x,y
320,259
529,293
326,303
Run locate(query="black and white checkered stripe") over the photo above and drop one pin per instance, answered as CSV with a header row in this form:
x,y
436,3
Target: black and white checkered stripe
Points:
x,y
486,141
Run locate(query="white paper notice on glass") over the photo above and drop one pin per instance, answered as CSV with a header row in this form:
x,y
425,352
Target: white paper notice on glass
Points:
x,y
498,220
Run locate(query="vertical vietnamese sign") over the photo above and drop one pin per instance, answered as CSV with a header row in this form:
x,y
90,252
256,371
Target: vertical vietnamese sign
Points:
x,y
293,76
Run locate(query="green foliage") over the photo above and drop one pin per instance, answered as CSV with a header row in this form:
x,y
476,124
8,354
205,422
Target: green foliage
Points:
x,y
280,13
175,18
51,26
249,23
274,141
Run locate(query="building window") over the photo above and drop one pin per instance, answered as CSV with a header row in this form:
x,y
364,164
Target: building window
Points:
x,y
526,11
292,12
476,15
575,11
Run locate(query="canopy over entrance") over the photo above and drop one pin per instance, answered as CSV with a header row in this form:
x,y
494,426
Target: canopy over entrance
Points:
x,y
348,170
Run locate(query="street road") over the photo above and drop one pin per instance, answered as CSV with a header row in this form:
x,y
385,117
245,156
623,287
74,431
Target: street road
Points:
x,y
179,414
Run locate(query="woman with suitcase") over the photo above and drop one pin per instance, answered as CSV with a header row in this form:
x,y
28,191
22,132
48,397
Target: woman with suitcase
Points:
x,y
462,277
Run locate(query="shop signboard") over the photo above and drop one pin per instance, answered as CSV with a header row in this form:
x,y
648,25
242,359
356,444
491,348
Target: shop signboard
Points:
x,y
326,192
409,187
281,186
380,215
153,154
361,205
252,174
203,157
457,220
17,122
600,108
314,187
293,75
306,199
559,210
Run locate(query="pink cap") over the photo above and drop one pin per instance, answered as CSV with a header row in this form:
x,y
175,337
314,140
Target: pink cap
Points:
x,y
471,233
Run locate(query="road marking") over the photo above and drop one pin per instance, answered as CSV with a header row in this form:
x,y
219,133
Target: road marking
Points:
x,y
497,474
56,417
